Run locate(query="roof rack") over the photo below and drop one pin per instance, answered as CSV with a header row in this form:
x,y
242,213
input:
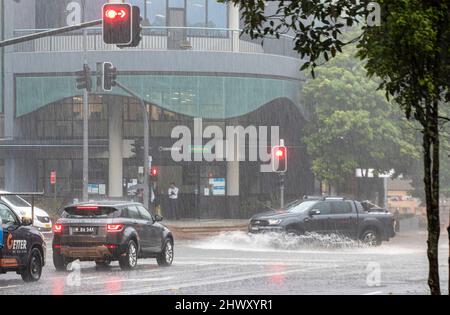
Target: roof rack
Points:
x,y
323,198
312,197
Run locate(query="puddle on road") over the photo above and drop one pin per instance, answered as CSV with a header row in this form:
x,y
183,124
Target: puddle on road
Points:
x,y
313,242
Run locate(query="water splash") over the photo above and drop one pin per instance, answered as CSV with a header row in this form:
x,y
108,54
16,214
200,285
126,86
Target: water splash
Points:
x,y
276,241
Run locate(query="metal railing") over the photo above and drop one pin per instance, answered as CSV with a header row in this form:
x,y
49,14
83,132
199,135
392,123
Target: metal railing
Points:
x,y
163,39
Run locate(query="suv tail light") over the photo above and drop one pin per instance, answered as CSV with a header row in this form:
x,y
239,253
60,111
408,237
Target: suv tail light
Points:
x,y
92,208
114,228
58,228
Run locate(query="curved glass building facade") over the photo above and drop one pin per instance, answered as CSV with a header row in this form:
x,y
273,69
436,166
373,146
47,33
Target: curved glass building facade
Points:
x,y
192,63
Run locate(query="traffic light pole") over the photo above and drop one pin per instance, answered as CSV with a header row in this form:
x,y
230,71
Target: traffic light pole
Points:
x,y
43,34
146,141
85,128
282,180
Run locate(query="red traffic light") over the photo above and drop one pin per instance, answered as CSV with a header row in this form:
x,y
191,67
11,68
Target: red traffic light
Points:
x,y
117,24
116,13
154,172
279,153
279,159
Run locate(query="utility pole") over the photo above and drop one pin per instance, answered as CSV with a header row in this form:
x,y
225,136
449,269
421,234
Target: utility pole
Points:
x,y
85,120
282,190
279,165
146,141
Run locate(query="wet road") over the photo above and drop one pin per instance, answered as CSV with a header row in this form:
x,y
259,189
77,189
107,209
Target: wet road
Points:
x,y
235,263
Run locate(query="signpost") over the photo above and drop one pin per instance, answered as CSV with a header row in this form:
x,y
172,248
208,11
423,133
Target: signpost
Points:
x,y
53,177
53,183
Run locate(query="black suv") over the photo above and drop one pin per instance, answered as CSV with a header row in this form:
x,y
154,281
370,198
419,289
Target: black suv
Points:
x,y
22,248
327,215
109,231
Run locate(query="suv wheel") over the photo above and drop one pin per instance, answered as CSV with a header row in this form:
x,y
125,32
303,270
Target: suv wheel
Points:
x,y
33,270
60,262
165,258
129,260
371,237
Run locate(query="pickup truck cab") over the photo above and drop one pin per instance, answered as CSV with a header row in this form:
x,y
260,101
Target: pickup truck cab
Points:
x,y
326,216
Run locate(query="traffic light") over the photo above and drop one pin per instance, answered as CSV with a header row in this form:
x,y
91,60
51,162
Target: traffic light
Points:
x,y
154,171
138,148
117,23
84,80
136,28
279,159
109,76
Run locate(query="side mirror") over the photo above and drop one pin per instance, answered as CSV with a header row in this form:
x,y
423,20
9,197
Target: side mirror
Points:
x,y
27,221
314,212
158,218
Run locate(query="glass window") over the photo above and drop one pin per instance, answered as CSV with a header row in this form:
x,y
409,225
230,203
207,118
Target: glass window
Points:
x,y
91,212
196,13
144,213
341,207
300,208
177,3
217,14
17,201
133,213
155,14
8,218
323,207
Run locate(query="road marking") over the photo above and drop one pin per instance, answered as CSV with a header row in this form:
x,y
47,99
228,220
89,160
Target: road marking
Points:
x,y
131,280
373,293
12,286
227,279
254,259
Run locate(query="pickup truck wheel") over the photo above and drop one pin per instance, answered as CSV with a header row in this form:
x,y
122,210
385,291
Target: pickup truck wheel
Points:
x,y
371,237
60,262
165,258
129,260
33,270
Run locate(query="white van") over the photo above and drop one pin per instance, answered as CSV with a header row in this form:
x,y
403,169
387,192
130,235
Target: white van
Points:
x,y
22,208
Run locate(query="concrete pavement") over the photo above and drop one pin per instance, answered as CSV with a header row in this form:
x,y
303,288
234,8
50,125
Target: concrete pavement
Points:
x,y
197,229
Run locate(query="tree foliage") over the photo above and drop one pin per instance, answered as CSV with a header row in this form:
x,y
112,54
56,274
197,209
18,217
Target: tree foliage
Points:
x,y
353,125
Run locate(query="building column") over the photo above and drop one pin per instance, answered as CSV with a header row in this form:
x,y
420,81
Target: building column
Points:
x,y
115,126
233,200
233,178
21,175
233,23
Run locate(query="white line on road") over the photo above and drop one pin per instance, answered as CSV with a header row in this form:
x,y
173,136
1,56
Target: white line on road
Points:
x,y
374,293
219,281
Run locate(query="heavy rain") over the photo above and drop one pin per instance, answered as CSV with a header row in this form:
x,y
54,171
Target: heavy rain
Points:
x,y
223,147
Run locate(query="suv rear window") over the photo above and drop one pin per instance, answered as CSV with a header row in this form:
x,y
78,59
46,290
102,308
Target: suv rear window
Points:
x,y
90,211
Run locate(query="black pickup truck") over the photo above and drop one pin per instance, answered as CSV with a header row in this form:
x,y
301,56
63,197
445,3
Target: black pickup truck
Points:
x,y
326,216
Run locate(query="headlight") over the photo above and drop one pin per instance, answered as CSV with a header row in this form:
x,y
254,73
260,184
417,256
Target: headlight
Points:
x,y
274,222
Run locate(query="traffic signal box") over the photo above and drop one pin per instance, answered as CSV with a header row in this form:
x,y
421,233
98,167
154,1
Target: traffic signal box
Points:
x,y
279,159
121,24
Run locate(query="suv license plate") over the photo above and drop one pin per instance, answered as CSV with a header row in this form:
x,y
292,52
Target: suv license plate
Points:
x,y
84,230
